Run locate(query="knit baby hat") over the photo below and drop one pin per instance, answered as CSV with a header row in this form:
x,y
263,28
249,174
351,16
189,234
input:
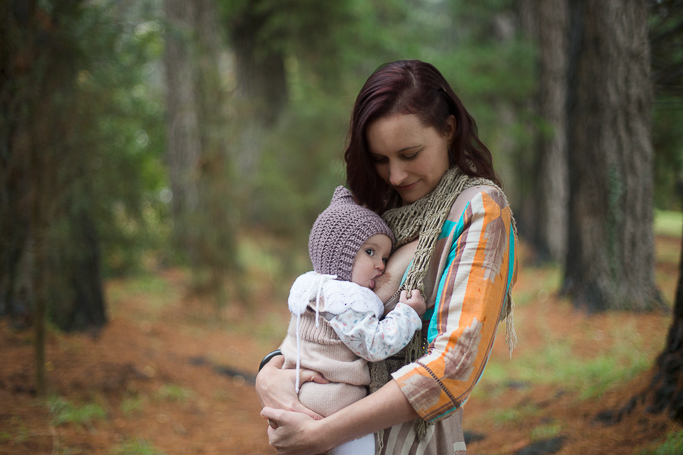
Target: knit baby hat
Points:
x,y
339,232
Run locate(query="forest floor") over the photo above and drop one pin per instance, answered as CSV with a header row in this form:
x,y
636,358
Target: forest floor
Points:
x,y
167,375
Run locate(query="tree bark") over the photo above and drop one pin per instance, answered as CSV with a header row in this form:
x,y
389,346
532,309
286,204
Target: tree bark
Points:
x,y
666,393
200,168
552,192
183,146
260,65
261,92
39,60
611,241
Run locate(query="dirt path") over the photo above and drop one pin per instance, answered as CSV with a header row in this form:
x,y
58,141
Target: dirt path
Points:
x,y
154,371
151,371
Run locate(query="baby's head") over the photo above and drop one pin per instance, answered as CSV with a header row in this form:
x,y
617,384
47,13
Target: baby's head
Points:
x,y
350,241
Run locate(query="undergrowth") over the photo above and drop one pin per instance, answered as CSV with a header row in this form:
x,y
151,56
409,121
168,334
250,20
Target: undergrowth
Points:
x,y
136,447
673,445
62,411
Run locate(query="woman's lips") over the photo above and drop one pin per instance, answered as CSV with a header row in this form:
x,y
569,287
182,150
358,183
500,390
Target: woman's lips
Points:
x,y
406,187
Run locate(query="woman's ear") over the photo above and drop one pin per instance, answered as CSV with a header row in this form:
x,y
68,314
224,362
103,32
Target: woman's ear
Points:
x,y
449,130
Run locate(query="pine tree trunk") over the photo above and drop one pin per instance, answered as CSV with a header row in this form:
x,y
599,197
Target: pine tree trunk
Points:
x,y
666,392
611,242
261,84
73,275
37,203
551,194
183,146
200,166
259,63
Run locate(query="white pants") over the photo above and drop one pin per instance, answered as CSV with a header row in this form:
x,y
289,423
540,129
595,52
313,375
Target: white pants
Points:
x,y
360,446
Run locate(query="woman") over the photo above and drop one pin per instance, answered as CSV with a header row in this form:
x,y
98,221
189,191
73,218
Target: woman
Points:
x,y
414,157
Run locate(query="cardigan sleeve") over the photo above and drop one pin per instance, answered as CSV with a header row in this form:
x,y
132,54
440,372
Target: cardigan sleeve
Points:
x,y
470,293
373,339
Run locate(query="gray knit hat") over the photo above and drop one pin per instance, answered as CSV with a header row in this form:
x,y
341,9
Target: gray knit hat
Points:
x,y
340,231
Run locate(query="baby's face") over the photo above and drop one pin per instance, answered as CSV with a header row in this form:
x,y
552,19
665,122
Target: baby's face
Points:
x,y
371,260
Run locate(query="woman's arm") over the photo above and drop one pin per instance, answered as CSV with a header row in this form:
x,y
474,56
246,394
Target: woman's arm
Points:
x,y
297,434
275,386
477,251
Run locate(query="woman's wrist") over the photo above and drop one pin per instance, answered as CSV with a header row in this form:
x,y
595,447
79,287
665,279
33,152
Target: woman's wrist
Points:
x,y
268,358
323,432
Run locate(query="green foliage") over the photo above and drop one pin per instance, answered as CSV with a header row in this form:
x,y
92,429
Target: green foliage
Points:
x,y
136,447
667,140
666,42
672,446
64,412
156,290
301,166
122,129
546,431
500,416
20,432
174,393
131,405
302,157
554,362
668,223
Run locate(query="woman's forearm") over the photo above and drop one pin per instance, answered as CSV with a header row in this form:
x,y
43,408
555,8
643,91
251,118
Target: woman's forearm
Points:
x,y
292,433
383,409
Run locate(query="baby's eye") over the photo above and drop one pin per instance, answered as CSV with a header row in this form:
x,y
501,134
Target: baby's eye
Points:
x,y
369,251
385,260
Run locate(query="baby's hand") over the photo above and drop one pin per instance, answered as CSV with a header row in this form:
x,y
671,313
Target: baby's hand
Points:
x,y
416,301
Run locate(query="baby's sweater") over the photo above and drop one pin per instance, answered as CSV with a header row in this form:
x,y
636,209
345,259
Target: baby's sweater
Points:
x,y
341,331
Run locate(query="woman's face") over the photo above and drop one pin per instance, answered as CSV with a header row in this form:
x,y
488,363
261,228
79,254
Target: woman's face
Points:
x,y
409,156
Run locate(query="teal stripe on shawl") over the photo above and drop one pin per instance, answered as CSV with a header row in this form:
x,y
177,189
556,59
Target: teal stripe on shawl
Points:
x,y
449,228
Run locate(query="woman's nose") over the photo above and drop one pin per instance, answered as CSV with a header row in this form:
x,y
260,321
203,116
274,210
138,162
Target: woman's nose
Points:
x,y
397,174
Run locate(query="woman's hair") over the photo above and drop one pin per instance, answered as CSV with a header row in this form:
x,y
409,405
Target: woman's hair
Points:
x,y
409,87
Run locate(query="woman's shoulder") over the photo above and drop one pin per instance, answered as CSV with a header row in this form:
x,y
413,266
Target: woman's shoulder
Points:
x,y
476,194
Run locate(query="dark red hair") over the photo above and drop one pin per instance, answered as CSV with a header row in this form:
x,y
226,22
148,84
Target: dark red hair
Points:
x,y
409,87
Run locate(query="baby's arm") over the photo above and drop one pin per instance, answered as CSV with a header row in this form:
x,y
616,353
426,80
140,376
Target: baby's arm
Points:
x,y
374,339
416,301
389,282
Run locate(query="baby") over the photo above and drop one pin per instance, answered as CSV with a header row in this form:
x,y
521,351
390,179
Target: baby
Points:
x,y
336,327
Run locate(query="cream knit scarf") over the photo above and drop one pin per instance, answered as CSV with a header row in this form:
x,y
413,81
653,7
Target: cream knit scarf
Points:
x,y
424,219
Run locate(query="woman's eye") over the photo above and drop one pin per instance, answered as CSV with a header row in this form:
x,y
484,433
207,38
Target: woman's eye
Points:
x,y
379,159
411,156
370,252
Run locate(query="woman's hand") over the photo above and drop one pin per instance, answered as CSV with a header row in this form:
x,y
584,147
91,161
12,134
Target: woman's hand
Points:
x,y
293,432
275,386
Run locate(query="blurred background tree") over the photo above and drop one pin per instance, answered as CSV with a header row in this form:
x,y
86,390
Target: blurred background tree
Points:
x,y
610,165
